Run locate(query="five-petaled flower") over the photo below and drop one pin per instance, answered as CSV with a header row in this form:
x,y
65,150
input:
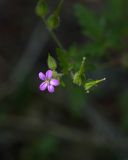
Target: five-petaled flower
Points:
x,y
48,81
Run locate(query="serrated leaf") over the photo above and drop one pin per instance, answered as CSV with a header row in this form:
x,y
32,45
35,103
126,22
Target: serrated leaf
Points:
x,y
95,49
63,60
89,22
75,53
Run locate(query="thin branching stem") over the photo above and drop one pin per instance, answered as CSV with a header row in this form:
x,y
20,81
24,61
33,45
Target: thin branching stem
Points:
x,y
55,38
57,41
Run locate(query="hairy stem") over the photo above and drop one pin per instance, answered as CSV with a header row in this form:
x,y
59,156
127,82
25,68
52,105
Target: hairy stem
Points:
x,y
55,38
57,41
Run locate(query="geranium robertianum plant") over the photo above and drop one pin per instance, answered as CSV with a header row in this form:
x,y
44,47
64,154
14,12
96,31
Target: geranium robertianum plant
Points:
x,y
66,62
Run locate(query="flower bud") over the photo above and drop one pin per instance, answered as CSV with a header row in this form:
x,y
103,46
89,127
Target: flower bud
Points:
x,y
53,22
41,8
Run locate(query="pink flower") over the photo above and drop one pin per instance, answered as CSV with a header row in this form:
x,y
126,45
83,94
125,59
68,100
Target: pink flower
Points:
x,y
48,82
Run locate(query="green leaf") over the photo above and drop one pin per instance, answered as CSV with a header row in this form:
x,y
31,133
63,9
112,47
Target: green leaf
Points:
x,y
41,8
73,55
62,83
52,63
63,60
95,49
115,9
88,20
93,83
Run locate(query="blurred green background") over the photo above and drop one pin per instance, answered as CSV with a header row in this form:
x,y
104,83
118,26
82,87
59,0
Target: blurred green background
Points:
x,y
69,124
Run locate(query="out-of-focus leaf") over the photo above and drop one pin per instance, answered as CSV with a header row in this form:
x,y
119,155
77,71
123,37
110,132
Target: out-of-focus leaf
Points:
x,y
115,9
95,49
115,35
89,21
63,58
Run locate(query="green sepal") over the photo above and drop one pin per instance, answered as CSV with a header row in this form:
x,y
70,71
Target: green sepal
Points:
x,y
93,83
78,77
53,22
52,63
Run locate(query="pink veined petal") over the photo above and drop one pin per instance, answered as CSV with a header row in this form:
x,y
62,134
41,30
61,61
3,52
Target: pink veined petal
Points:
x,y
43,86
42,76
49,74
50,88
54,82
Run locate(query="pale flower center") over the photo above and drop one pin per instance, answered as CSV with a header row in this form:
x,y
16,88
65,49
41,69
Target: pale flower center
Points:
x,y
48,81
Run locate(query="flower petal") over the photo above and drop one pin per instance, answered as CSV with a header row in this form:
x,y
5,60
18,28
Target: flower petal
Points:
x,y
42,76
54,82
50,88
43,86
49,74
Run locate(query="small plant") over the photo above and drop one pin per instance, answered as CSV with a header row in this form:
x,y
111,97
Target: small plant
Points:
x,y
48,81
70,65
